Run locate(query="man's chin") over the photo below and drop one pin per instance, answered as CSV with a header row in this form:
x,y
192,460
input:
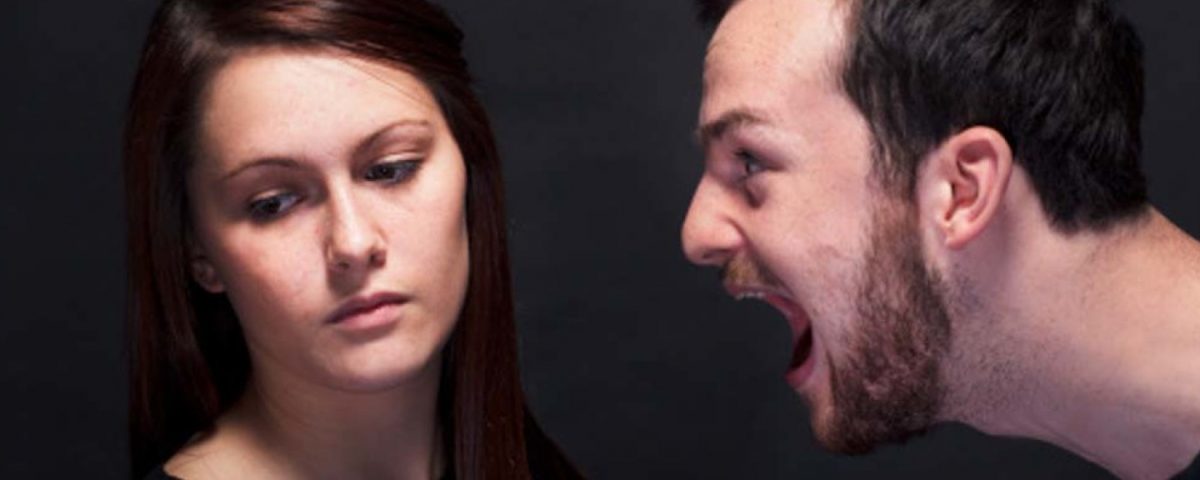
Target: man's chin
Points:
x,y
838,433
827,433
825,423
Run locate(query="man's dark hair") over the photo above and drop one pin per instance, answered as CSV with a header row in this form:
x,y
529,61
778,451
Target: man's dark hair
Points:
x,y
1061,80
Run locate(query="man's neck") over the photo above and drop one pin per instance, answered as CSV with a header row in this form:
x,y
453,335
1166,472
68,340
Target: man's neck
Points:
x,y
1091,344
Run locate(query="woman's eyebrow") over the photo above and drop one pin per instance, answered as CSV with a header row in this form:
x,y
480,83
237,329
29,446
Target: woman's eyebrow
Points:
x,y
388,130
261,162
364,145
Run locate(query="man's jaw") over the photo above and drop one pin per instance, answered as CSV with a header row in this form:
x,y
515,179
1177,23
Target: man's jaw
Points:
x,y
803,359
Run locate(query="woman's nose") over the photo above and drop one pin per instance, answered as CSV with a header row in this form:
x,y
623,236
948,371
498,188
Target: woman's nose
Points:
x,y
355,241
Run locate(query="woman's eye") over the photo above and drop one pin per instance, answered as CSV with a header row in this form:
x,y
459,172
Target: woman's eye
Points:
x,y
391,172
750,164
268,208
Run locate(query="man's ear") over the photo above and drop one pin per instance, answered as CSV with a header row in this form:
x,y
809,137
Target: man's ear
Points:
x,y
969,175
203,271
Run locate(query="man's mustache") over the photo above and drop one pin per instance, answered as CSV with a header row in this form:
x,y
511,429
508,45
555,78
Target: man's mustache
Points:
x,y
742,270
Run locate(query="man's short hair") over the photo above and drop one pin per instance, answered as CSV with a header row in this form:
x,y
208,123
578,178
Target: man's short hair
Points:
x,y
1061,80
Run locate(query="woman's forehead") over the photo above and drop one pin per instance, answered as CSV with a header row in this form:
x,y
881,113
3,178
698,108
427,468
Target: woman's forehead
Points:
x,y
267,99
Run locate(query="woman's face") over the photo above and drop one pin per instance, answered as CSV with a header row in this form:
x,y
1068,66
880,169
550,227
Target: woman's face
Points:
x,y
328,203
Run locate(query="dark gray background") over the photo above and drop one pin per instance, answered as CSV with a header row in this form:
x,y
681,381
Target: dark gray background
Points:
x,y
633,359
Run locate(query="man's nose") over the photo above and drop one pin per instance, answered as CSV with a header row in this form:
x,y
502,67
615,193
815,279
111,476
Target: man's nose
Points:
x,y
355,242
709,236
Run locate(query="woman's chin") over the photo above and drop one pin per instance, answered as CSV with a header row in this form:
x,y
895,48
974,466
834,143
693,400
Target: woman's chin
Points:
x,y
376,370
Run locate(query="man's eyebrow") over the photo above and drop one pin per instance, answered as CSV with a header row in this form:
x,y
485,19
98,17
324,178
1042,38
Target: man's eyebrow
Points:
x,y
363,145
733,119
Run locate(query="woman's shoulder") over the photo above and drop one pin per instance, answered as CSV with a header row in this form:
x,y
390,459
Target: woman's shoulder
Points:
x,y
211,454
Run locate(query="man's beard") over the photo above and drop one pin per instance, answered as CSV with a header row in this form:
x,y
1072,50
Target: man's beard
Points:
x,y
888,388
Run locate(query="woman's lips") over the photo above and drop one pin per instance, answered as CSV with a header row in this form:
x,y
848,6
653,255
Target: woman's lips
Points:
x,y
364,312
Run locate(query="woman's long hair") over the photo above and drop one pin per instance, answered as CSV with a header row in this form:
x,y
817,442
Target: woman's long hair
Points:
x,y
188,358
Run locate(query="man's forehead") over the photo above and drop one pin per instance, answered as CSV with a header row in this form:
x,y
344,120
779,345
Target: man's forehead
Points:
x,y
761,21
773,45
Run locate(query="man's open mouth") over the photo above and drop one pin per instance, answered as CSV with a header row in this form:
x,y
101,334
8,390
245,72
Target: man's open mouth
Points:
x,y
801,364
801,350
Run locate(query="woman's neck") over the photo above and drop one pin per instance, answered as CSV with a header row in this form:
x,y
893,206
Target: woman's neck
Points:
x,y
284,427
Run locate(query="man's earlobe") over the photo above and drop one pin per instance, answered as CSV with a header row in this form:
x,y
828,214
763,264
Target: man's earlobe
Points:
x,y
973,167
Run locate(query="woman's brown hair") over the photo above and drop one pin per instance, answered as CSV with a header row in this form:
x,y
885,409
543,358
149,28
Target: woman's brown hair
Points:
x,y
188,358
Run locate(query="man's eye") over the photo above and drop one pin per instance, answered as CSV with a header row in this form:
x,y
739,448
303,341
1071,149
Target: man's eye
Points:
x,y
750,164
391,172
268,208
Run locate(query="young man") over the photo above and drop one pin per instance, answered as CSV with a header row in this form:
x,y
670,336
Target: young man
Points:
x,y
945,201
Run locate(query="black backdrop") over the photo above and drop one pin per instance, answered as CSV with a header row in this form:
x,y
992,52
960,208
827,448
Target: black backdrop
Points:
x,y
632,358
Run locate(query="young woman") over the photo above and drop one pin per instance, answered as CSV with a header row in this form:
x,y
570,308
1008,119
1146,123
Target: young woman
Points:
x,y
318,270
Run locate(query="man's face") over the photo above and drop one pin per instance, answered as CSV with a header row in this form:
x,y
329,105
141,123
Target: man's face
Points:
x,y
789,208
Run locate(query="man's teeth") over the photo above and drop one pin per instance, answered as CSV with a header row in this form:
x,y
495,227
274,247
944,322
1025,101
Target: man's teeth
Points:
x,y
754,295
